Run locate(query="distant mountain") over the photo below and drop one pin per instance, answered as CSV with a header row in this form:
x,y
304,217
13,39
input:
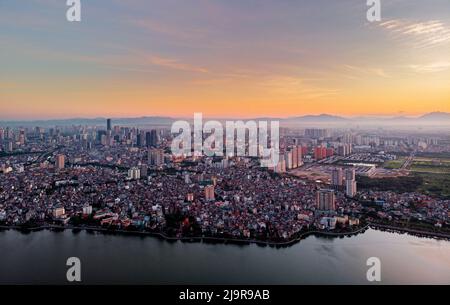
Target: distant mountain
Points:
x,y
321,118
435,116
160,121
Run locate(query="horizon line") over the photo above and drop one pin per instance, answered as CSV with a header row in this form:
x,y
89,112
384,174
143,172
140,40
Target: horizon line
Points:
x,y
393,116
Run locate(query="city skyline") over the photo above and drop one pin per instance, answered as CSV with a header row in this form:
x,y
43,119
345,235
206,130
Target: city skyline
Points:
x,y
224,59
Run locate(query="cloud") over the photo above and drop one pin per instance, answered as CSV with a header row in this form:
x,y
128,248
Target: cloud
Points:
x,y
295,87
367,71
423,34
432,67
175,64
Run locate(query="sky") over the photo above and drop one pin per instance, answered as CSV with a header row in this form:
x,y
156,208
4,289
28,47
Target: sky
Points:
x,y
223,58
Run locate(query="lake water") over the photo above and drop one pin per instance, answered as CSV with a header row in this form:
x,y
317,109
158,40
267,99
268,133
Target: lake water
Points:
x,y
40,258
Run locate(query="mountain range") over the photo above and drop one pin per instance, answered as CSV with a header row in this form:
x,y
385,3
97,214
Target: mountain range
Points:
x,y
429,118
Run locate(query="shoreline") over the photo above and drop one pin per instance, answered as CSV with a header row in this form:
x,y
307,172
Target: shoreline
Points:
x,y
228,240
206,239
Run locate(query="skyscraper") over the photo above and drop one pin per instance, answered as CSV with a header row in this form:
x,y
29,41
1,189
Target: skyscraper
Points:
x,y
288,158
337,177
325,200
155,156
153,138
140,140
350,182
320,153
60,161
350,174
108,124
148,139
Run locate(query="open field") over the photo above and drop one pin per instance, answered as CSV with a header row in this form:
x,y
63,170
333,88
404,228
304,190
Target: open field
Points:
x,y
431,165
394,164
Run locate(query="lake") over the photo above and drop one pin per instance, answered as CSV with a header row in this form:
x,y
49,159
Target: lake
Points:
x,y
40,258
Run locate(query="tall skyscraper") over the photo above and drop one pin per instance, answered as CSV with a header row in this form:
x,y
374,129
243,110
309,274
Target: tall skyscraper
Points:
x,y
148,139
337,177
140,140
350,182
288,158
108,124
326,200
153,138
60,161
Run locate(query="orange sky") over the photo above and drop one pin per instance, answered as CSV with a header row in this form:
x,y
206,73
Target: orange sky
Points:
x,y
223,59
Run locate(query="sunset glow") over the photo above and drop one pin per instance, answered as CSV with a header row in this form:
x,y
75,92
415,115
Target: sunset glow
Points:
x,y
223,58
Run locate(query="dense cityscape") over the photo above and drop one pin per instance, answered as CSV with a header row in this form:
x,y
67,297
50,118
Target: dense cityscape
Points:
x,y
124,178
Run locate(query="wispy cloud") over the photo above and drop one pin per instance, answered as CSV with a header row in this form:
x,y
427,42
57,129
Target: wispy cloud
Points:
x,y
432,67
379,72
419,34
295,87
175,64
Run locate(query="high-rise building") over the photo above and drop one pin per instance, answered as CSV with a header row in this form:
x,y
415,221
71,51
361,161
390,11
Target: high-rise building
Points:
x,y
10,146
350,174
144,170
153,138
209,193
134,173
108,124
350,188
326,200
22,137
148,139
281,165
344,149
320,153
288,158
350,182
140,140
294,157
60,161
304,150
156,156
330,152
337,177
